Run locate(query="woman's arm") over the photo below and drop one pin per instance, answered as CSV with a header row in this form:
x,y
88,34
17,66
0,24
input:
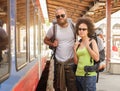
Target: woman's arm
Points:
x,y
75,54
94,53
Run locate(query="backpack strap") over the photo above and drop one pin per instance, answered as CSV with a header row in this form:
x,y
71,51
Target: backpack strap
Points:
x,y
78,44
92,49
95,37
73,29
54,28
94,61
53,38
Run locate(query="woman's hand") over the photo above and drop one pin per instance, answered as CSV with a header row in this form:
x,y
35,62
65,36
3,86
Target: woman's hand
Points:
x,y
87,43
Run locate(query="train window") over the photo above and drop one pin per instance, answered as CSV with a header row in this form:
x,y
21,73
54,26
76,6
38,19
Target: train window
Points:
x,y
36,35
43,47
21,35
4,41
32,32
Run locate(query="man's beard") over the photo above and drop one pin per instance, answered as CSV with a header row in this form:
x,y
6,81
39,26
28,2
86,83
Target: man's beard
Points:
x,y
63,22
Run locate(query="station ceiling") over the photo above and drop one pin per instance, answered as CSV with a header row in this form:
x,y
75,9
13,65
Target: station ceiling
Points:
x,y
96,9
20,10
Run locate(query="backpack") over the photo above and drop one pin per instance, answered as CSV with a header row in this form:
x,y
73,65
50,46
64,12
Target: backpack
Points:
x,y
96,65
54,30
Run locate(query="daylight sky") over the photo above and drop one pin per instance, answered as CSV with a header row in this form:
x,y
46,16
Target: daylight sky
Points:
x,y
44,9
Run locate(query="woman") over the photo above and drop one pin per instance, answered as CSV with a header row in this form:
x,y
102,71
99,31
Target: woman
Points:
x,y
83,54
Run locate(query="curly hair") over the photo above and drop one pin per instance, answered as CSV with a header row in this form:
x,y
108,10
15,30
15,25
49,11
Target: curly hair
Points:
x,y
88,21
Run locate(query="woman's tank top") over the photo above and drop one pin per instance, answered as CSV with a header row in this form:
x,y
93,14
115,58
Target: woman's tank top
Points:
x,y
83,60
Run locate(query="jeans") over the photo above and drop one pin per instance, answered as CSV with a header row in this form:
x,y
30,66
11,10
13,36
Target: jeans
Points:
x,y
87,83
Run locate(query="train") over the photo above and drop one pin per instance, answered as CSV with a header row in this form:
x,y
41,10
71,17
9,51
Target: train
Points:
x,y
24,58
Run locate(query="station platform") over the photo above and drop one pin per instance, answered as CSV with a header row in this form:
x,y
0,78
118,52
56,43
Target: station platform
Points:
x,y
108,82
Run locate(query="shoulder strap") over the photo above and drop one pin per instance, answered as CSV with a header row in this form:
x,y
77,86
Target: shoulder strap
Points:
x,y
92,49
53,38
94,62
73,29
72,26
95,37
78,44
54,31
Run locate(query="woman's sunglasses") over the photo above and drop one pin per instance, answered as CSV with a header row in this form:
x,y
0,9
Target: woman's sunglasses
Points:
x,y
84,29
62,15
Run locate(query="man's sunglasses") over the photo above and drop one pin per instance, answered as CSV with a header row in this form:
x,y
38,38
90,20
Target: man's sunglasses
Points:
x,y
62,15
84,29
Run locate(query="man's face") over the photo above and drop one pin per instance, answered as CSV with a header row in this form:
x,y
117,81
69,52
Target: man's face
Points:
x,y
61,17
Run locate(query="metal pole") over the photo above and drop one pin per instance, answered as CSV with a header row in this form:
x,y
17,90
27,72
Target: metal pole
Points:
x,y
108,32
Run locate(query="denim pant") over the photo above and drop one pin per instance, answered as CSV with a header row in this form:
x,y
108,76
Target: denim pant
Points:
x,y
87,83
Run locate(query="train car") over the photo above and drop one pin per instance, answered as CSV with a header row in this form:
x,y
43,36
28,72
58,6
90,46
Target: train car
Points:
x,y
23,59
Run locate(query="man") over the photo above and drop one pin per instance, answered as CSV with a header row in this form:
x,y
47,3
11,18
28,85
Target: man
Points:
x,y
64,42
100,40
3,39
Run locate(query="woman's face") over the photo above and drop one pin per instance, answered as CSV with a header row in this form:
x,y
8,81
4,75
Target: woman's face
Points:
x,y
82,30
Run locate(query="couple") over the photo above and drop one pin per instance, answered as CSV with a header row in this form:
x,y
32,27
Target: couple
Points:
x,y
66,54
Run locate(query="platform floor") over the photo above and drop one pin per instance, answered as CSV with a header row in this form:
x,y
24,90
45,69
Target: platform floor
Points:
x,y
108,82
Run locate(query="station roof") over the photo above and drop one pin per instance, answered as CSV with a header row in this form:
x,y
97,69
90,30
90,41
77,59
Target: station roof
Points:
x,y
96,9
20,8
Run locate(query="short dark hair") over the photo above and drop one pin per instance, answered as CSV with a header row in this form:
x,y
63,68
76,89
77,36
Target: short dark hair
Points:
x,y
60,8
88,21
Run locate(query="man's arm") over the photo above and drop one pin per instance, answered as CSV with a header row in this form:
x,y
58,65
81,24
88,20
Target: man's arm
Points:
x,y
48,42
